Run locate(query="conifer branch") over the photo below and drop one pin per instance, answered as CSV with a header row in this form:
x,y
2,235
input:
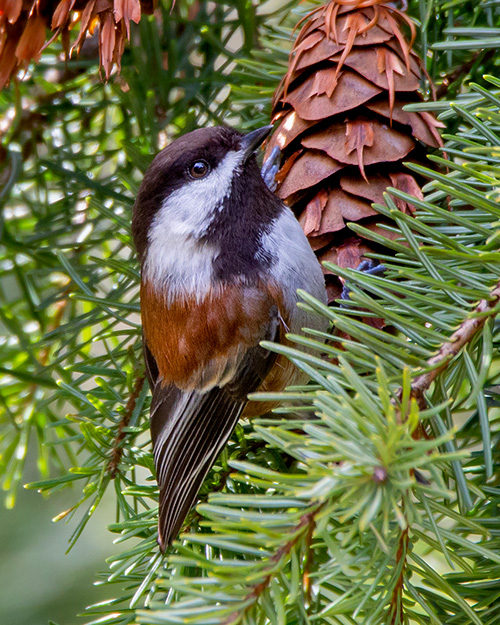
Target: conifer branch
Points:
x,y
73,356
396,605
60,307
460,72
465,333
117,450
305,526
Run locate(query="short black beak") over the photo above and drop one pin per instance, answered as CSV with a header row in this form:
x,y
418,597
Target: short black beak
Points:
x,y
252,140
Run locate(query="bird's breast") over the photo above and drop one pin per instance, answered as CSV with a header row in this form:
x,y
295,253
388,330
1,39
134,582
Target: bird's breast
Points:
x,y
198,343
177,265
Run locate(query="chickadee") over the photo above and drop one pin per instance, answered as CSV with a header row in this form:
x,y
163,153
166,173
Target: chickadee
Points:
x,y
221,258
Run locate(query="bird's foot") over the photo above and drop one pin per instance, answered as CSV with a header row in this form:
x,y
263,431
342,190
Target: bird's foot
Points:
x,y
369,266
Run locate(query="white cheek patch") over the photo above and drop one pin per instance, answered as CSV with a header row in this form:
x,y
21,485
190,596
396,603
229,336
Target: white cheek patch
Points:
x,y
177,262
192,207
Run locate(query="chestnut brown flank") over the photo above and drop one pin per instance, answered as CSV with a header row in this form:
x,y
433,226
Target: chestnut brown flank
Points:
x,y
185,335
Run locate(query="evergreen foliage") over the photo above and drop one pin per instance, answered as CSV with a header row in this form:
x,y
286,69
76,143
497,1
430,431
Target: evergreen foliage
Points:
x,y
376,500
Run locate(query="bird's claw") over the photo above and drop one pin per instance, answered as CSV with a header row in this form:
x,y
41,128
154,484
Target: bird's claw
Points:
x,y
270,168
369,266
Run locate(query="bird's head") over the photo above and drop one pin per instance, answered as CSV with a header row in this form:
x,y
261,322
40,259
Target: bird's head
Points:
x,y
195,180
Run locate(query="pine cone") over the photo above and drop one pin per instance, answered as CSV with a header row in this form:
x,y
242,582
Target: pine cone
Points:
x,y
24,24
343,132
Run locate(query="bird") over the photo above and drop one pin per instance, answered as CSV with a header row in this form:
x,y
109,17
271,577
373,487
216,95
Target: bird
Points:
x,y
221,259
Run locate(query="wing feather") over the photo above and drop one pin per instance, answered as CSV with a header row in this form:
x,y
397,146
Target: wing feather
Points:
x,y
187,458
190,429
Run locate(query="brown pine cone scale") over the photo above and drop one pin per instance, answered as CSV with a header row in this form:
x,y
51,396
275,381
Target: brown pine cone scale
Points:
x,y
342,129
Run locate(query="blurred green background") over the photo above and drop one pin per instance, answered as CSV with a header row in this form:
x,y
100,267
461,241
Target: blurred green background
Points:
x,y
33,558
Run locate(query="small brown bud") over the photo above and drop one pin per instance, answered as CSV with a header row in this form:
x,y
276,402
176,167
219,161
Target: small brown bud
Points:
x,y
380,475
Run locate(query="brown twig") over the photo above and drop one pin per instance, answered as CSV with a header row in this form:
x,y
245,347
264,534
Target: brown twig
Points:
x,y
308,559
305,526
486,309
396,613
117,451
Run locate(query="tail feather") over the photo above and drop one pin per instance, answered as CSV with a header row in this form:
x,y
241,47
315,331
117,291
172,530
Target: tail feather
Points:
x,y
192,436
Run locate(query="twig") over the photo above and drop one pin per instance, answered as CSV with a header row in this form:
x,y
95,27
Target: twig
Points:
x,y
308,559
486,309
305,526
396,613
117,451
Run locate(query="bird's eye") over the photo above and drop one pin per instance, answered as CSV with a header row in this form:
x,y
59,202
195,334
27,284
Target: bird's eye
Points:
x,y
199,169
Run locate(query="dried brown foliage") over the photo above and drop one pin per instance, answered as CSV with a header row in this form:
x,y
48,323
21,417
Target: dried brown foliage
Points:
x,y
27,26
342,129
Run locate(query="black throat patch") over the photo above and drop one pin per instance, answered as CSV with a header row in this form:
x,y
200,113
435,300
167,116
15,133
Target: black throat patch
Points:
x,y
246,213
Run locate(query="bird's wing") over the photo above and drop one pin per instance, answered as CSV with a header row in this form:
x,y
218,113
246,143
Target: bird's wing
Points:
x,y
190,428
150,363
